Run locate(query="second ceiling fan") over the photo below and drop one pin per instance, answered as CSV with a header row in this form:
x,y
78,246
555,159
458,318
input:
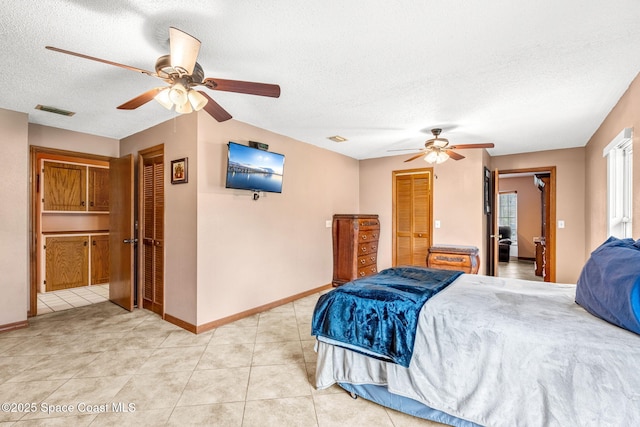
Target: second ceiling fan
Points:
x,y
438,150
182,73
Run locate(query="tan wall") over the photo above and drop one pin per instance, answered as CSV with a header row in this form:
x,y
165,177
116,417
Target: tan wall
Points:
x,y
457,200
45,136
570,202
61,139
14,230
529,212
181,234
251,253
626,114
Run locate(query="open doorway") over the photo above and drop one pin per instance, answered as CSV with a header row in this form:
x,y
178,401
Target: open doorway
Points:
x,y
68,230
526,215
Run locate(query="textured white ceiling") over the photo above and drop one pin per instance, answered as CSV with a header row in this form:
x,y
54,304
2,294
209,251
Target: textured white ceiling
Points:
x,y
525,75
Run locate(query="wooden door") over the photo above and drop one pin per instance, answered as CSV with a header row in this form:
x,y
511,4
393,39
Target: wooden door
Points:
x,y
98,189
153,233
99,259
121,232
494,235
66,262
412,217
65,187
546,226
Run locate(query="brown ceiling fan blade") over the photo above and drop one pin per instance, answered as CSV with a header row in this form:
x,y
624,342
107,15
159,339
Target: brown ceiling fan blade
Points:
x,y
251,88
463,146
184,50
414,157
214,109
140,99
453,155
93,58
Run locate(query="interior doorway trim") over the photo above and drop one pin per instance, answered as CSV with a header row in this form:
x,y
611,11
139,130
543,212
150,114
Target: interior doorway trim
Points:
x,y
551,221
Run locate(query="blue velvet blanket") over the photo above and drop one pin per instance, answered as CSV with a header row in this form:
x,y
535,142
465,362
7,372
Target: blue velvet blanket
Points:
x,y
379,313
609,285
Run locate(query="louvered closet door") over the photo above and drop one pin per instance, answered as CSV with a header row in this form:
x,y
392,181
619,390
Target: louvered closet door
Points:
x,y
412,217
153,234
403,220
421,219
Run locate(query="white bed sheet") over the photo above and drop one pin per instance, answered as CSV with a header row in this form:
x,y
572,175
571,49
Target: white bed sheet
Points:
x,y
508,352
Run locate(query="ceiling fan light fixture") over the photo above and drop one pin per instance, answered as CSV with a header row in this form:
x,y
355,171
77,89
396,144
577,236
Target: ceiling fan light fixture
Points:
x,y
436,157
441,142
184,108
197,100
163,98
181,72
178,94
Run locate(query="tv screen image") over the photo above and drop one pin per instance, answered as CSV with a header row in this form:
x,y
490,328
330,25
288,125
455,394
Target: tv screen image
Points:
x,y
252,169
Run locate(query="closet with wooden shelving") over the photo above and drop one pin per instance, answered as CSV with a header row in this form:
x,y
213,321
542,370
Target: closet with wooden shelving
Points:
x,y
73,222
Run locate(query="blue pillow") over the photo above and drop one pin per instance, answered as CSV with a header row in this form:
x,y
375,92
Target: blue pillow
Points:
x,y
609,285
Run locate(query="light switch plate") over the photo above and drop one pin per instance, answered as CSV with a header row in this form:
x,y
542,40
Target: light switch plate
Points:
x,y
560,223
437,224
327,223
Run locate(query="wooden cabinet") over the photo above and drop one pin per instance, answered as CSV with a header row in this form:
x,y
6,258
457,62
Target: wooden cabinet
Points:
x,y
98,190
447,257
66,262
64,187
99,259
75,187
355,247
74,260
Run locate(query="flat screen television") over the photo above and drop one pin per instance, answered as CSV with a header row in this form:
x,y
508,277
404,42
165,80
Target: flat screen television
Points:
x,y
252,169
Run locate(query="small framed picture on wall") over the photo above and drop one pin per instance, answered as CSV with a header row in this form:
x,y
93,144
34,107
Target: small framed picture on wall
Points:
x,y
179,171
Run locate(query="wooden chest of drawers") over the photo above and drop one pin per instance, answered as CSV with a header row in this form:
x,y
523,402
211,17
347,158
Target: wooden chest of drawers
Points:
x,y
355,247
449,257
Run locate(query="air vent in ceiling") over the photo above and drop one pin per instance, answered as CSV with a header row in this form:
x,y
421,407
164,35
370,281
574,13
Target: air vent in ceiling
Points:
x,y
54,110
337,138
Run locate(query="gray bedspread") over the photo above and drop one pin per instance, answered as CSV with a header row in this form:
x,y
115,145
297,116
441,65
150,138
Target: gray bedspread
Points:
x,y
508,353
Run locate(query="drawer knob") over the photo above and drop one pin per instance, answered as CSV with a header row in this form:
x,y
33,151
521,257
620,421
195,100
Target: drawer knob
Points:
x,y
364,237
362,261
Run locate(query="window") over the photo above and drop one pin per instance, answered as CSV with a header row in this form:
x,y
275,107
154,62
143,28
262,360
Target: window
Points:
x,y
508,213
619,180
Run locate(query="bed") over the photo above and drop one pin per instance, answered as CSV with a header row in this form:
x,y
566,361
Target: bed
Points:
x,y
492,352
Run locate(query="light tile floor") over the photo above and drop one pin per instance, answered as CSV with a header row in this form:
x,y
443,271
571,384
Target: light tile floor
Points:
x,y
74,297
100,359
